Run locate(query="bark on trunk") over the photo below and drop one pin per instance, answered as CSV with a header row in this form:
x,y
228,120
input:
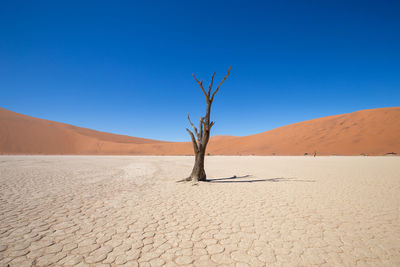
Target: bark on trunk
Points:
x,y
201,136
198,172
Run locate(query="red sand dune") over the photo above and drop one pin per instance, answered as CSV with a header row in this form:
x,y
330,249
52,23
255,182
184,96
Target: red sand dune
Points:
x,y
373,132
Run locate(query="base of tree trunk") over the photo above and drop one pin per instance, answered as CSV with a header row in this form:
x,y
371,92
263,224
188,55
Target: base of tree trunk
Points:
x,y
198,172
197,175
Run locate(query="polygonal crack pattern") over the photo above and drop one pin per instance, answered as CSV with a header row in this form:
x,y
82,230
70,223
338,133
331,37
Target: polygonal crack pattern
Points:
x,y
129,211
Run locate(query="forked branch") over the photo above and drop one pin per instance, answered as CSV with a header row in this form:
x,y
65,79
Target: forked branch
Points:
x,y
223,80
202,88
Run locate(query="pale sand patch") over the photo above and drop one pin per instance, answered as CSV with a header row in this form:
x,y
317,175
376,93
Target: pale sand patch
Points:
x,y
283,211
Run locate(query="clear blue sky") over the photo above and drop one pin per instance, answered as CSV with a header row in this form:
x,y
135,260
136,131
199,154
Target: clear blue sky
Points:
x,y
125,66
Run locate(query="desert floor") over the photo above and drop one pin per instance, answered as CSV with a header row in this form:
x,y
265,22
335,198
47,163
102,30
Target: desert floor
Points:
x,y
278,211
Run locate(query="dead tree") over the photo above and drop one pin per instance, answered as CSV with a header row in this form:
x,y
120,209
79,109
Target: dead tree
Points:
x,y
201,135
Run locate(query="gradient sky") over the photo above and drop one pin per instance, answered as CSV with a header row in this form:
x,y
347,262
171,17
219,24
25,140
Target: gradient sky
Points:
x,y
125,66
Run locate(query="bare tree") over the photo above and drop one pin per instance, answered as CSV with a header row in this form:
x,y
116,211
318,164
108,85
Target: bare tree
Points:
x,y
201,135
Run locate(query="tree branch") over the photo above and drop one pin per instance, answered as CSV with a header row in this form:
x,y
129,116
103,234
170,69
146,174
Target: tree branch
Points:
x,y
201,126
202,88
194,128
195,147
223,80
211,84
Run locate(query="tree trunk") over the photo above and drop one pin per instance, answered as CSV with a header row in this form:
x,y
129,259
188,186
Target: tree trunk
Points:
x,y
198,172
201,136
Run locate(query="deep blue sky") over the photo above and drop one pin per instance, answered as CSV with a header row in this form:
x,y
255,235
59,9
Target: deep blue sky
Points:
x,y
126,66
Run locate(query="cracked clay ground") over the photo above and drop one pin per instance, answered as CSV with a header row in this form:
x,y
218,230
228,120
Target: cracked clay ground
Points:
x,y
277,211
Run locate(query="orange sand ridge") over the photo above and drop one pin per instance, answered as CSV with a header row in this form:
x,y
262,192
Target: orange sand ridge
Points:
x,y
372,132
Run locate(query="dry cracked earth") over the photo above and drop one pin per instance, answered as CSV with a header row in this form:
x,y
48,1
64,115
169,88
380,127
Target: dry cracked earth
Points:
x,y
255,211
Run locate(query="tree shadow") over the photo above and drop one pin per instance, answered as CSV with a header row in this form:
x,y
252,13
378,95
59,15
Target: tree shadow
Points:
x,y
255,180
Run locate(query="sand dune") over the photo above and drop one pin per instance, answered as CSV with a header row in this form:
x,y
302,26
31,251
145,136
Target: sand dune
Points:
x,y
21,134
373,132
